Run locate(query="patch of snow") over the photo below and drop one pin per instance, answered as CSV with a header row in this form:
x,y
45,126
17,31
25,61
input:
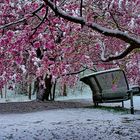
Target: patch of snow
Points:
x,y
23,68
120,3
17,98
77,94
132,23
11,96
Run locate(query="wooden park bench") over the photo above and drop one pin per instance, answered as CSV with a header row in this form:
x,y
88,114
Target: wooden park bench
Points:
x,y
111,86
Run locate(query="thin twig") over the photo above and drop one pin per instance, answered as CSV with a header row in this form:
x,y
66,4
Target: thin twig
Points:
x,y
20,20
41,22
12,23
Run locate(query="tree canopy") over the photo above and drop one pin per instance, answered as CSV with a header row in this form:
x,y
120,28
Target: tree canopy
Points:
x,y
65,37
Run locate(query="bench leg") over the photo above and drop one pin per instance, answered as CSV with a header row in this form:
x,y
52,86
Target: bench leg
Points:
x,y
95,104
131,103
122,104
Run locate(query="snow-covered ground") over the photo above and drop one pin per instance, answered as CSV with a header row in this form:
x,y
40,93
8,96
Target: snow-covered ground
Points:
x,y
73,124
70,124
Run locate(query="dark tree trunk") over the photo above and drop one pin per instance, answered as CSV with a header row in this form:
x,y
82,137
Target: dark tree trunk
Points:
x,y
54,87
30,91
48,87
64,90
36,87
1,93
44,93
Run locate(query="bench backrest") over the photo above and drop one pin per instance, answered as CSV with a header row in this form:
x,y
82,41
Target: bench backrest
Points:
x,y
110,84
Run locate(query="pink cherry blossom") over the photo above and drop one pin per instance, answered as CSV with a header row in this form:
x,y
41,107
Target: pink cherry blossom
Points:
x,y
39,38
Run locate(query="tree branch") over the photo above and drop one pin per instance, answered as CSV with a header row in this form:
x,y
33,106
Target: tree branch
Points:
x,y
116,57
115,21
115,33
72,73
20,20
63,14
12,23
81,6
42,5
35,29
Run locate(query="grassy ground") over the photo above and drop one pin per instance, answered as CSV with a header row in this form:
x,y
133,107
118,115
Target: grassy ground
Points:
x,y
111,109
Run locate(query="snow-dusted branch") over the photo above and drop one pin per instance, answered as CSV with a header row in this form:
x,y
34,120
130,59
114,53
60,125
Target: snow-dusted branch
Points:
x,y
115,33
63,14
115,57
